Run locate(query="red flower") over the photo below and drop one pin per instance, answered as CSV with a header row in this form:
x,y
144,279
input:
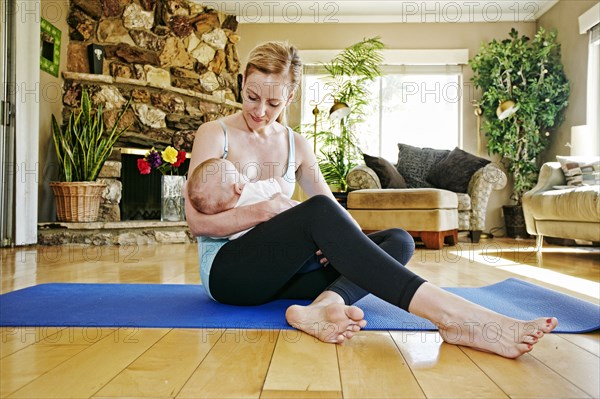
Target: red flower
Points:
x,y
180,158
143,166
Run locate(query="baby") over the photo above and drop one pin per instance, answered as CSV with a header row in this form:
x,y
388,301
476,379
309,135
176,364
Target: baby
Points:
x,y
216,186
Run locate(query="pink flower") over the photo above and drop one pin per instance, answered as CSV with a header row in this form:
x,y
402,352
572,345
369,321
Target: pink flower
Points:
x,y
143,166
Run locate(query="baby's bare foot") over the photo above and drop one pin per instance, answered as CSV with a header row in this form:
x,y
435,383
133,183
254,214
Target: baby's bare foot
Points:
x,y
329,322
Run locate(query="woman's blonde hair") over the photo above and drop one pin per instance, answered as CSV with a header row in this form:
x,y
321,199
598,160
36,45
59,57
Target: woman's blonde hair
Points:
x,y
276,58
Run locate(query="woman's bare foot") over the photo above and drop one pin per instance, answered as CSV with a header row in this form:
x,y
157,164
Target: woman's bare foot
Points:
x,y
464,323
327,318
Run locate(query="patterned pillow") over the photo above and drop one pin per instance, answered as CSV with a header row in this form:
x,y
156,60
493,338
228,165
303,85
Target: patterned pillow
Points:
x,y
414,164
454,172
580,170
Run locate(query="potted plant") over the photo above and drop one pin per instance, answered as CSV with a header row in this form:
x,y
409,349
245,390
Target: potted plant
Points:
x,y
349,76
524,95
82,146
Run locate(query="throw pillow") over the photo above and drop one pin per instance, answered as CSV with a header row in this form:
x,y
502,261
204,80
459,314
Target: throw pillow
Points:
x,y
580,170
387,173
414,164
455,171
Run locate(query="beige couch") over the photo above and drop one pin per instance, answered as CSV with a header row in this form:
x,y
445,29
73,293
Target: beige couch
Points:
x,y
565,213
472,206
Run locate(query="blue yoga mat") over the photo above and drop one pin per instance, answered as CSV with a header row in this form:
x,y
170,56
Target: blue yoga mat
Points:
x,y
188,306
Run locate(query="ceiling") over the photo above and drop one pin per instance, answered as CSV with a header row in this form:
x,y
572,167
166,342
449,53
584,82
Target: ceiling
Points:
x,y
382,11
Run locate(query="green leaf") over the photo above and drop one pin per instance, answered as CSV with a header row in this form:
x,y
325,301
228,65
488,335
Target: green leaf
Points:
x,y
541,91
350,74
82,145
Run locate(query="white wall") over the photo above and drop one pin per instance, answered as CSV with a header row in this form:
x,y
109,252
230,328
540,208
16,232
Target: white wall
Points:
x,y
50,102
27,79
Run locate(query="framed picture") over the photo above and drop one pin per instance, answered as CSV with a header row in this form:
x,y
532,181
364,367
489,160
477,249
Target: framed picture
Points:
x,y
49,47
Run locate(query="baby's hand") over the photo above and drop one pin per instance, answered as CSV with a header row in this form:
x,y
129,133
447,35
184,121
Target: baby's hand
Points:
x,y
279,203
290,201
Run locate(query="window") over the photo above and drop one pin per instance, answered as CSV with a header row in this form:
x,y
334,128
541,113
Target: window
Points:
x,y
415,105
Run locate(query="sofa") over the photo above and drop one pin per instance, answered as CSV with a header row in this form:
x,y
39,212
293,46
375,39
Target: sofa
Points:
x,y
468,178
554,208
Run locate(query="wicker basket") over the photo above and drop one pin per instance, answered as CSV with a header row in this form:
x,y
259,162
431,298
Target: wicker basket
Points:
x,y
77,201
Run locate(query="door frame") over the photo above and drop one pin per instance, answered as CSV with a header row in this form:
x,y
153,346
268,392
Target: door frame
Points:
x,y
21,152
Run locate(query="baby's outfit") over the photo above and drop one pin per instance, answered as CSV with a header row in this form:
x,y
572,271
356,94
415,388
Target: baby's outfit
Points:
x,y
252,193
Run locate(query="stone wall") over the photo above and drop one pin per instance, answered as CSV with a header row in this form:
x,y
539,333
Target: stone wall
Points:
x,y
175,59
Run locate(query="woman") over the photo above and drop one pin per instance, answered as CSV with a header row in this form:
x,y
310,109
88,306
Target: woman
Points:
x,y
315,250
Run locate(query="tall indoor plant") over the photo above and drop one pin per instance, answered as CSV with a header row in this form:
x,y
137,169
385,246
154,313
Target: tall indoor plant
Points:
x,y
349,75
82,146
524,95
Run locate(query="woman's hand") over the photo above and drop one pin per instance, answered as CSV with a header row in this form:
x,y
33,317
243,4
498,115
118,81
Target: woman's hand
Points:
x,y
323,260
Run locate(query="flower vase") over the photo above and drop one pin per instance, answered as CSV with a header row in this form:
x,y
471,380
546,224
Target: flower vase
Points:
x,y
172,207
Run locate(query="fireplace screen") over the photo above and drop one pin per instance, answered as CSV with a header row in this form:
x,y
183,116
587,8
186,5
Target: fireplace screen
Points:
x,y
141,193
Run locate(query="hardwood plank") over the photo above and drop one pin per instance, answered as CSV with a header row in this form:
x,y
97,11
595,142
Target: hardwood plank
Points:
x,y
22,367
575,364
165,367
590,341
274,394
464,265
85,373
443,370
302,364
234,368
53,346
372,367
16,338
525,377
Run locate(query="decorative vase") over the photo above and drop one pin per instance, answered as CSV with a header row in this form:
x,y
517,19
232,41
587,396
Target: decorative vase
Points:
x,y
514,221
172,207
77,201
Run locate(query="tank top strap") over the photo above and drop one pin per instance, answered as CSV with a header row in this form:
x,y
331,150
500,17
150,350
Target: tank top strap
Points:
x,y
290,171
226,143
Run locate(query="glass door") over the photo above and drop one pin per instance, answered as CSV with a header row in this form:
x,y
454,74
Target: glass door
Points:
x,y
7,129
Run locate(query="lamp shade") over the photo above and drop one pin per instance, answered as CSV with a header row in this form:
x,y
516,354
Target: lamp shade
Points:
x,y
339,110
583,141
506,109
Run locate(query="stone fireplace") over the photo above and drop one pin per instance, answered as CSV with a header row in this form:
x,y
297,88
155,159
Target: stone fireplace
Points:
x,y
174,60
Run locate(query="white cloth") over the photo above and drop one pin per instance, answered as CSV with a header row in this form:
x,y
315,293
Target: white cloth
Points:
x,y
252,193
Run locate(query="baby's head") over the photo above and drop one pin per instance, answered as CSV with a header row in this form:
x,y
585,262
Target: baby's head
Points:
x,y
214,186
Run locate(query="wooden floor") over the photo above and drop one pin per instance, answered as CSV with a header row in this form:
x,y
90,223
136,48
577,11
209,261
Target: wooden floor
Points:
x,y
167,363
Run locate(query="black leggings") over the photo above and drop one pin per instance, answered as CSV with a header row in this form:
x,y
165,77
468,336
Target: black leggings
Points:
x,y
271,261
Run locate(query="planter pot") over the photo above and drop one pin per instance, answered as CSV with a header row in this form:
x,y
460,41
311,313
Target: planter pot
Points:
x,y
514,221
172,207
77,201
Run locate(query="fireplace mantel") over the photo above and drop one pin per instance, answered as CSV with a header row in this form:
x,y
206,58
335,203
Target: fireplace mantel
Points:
x,y
109,80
